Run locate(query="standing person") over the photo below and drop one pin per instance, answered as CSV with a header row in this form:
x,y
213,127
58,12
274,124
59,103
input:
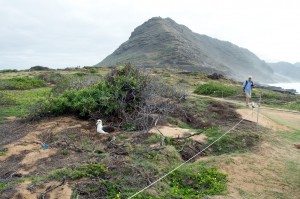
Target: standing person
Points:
x,y
247,88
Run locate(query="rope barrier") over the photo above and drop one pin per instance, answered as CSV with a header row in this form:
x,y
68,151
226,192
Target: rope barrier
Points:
x,y
283,110
159,179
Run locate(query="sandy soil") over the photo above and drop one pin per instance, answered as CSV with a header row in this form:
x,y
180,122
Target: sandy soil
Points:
x,y
30,149
34,145
11,118
173,132
61,192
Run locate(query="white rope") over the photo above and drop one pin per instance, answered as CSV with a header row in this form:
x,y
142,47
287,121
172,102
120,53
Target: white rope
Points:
x,y
159,179
283,110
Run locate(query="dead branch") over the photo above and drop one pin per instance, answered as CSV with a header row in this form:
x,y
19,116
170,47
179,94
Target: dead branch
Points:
x,y
162,142
42,195
186,137
156,148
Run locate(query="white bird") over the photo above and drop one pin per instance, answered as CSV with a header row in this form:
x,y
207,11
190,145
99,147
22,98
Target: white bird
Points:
x,y
100,127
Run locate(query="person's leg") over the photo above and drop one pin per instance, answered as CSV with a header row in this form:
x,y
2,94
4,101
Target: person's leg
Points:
x,y
247,99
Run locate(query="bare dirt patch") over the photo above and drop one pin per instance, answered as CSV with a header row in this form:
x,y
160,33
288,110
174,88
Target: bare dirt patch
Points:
x,y
25,154
262,120
176,132
62,192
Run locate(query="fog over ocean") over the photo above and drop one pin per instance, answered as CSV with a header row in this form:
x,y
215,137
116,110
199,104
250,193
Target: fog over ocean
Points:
x,y
295,85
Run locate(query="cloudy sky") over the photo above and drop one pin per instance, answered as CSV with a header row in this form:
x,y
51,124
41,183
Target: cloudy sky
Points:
x,y
65,33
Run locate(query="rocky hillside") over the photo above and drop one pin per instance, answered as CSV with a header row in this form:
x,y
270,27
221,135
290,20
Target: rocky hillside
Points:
x,y
164,43
287,69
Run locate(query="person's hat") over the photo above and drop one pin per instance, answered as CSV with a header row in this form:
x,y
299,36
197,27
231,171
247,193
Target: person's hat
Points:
x,y
250,77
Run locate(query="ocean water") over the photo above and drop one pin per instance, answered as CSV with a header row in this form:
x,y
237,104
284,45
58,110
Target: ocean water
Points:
x,y
295,86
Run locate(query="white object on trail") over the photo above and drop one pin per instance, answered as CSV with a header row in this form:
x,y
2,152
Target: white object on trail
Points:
x,y
100,127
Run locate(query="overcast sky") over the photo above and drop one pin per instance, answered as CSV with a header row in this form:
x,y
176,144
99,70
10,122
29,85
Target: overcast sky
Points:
x,y
66,33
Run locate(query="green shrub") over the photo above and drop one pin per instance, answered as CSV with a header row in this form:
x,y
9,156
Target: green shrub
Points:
x,y
4,185
125,95
21,83
196,182
6,99
82,171
232,142
293,106
216,90
120,90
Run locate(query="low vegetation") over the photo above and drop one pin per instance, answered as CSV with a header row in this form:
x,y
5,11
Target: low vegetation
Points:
x,y
217,90
196,181
18,103
232,142
8,71
21,83
120,165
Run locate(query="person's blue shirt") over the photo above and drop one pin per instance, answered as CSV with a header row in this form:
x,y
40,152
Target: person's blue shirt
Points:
x,y
248,85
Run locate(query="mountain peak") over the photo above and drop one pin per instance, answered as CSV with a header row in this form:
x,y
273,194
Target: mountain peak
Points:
x,y
161,42
157,25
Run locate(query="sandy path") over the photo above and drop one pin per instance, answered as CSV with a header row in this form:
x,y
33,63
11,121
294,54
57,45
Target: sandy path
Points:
x,y
263,120
277,120
289,119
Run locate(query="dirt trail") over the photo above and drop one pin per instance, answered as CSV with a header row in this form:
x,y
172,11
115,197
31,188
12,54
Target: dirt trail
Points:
x,y
263,120
277,120
289,119
271,170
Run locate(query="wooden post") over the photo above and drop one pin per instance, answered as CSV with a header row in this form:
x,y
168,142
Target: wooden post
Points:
x,y
258,109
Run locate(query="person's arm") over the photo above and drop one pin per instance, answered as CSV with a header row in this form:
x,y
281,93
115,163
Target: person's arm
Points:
x,y
244,84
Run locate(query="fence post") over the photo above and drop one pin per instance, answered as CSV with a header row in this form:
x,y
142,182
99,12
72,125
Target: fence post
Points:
x,y
222,94
258,109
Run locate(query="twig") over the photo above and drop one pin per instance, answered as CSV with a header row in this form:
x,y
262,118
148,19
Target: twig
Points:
x,y
162,142
156,148
182,138
42,196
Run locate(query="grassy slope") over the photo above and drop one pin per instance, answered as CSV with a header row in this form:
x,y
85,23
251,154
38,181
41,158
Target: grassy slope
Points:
x,y
22,100
278,168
